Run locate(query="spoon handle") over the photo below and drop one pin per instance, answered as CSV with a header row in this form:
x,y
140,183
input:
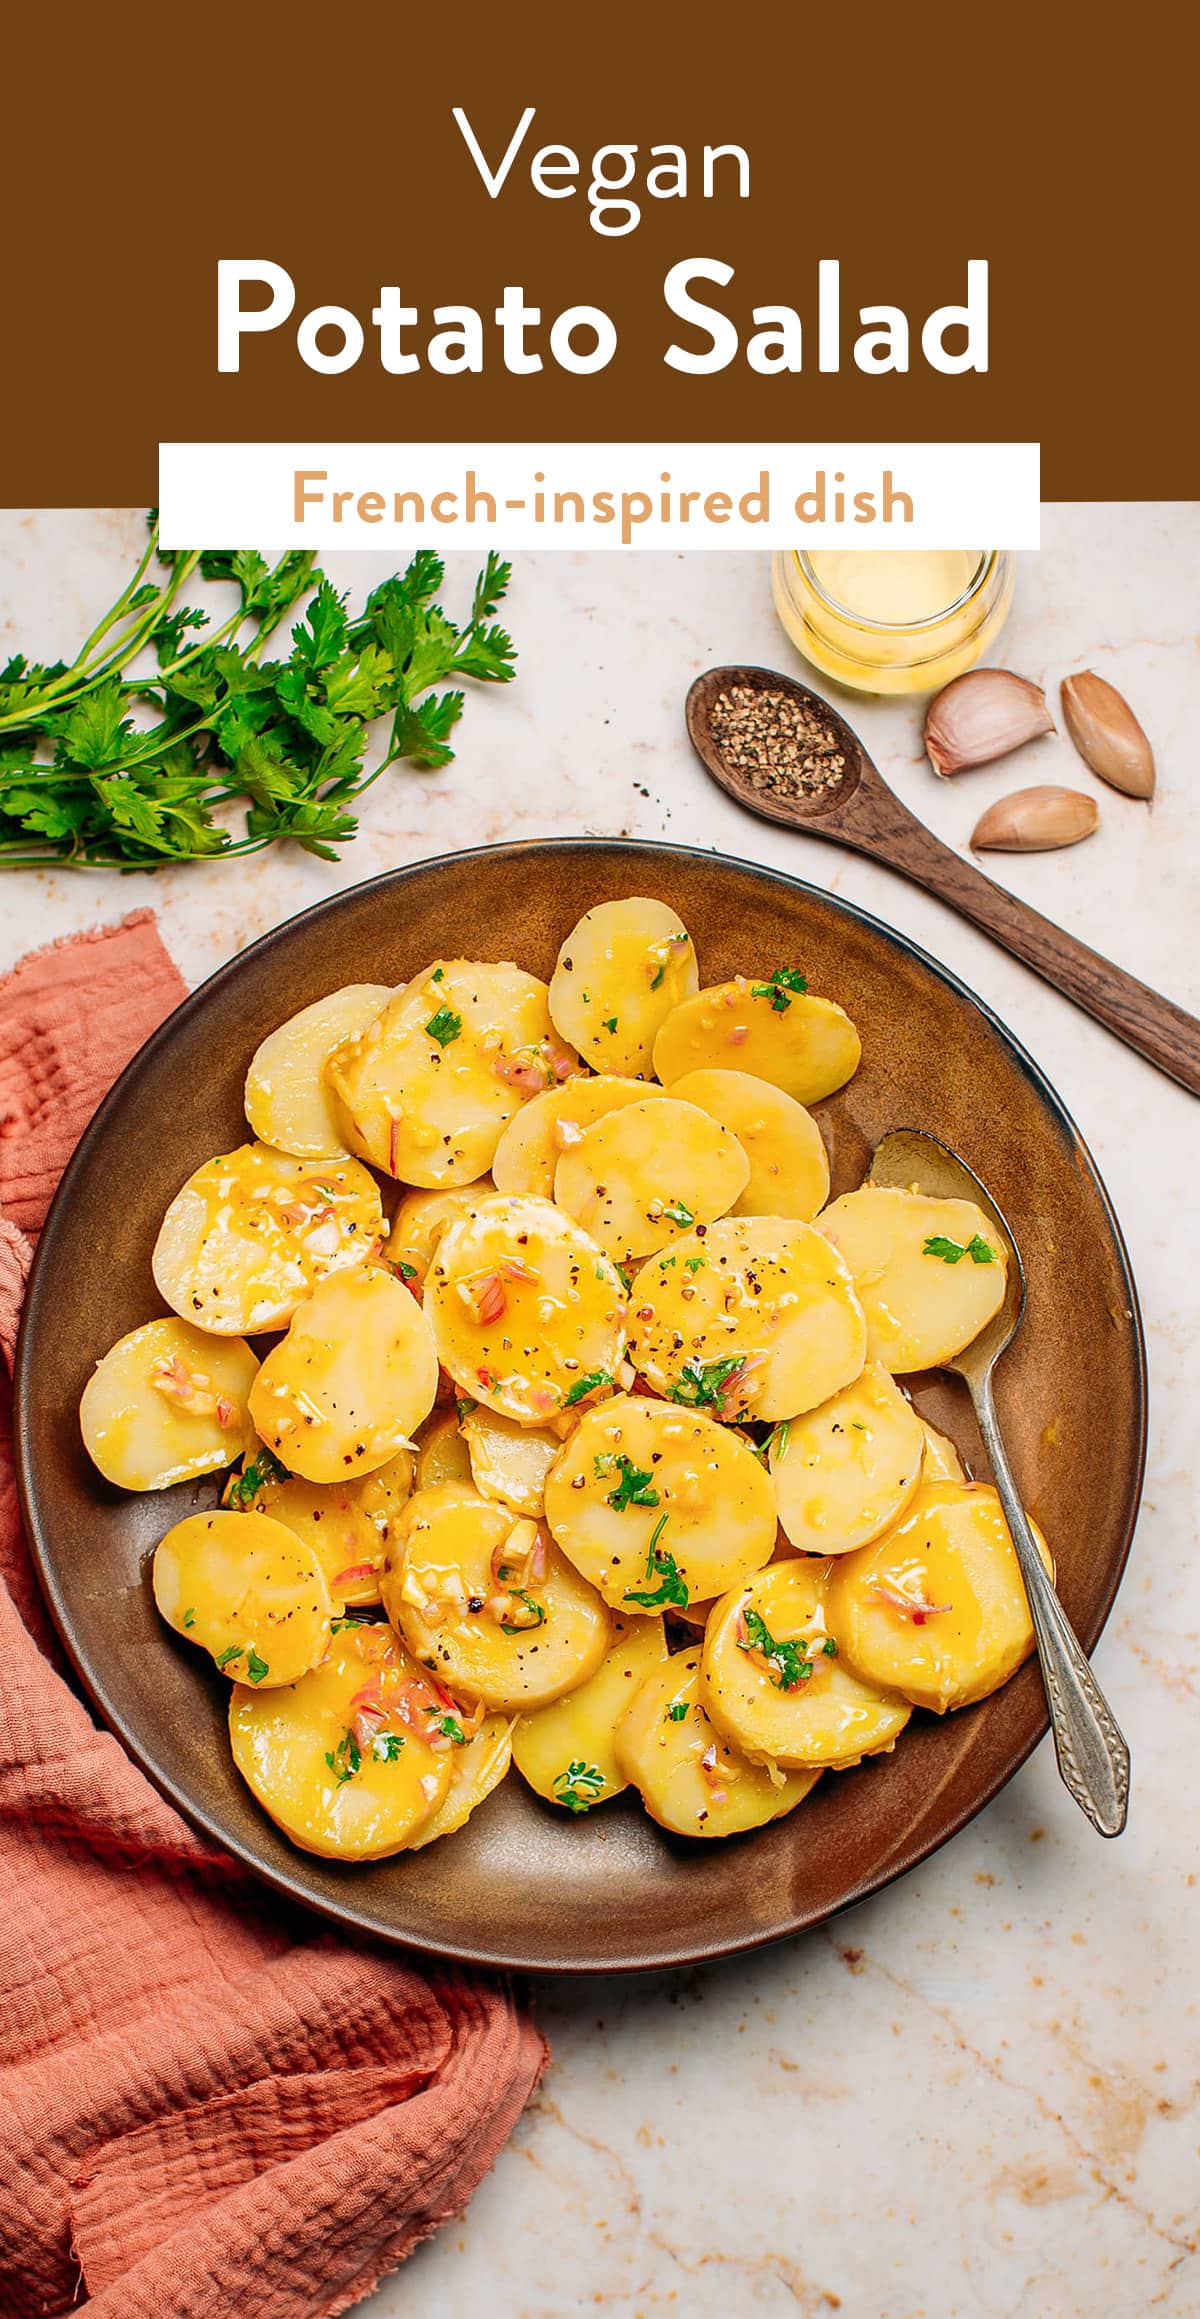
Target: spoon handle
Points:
x,y
1093,1758
1165,1034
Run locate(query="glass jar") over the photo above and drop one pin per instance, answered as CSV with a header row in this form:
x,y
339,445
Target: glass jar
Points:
x,y
840,606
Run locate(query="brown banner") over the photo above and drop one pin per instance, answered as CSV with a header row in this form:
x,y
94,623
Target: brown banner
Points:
x,y
143,145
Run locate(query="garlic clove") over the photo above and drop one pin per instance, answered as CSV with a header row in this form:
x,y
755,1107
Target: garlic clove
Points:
x,y
983,715
1033,821
1107,734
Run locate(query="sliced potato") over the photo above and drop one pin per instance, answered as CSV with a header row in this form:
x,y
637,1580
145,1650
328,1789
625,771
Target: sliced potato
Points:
x,y
936,1608
643,1175
806,1045
349,1384
442,1453
509,1461
747,1319
690,1779
654,1504
287,1101
165,1403
475,1770
487,1604
345,1762
620,973
567,1751
246,1589
527,1314
425,1090
789,1166
347,1523
420,1221
537,1136
940,1461
773,1681
929,1273
252,1233
847,1469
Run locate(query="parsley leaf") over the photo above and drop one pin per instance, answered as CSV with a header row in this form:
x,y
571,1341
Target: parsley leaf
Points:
x,y
671,1589
578,1786
633,1489
788,1663
444,1026
526,1625
782,983
242,1489
386,1746
345,1759
701,1383
953,1251
676,1713
585,1385
677,1213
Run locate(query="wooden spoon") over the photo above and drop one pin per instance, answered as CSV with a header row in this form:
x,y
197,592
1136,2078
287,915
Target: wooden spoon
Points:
x,y
859,810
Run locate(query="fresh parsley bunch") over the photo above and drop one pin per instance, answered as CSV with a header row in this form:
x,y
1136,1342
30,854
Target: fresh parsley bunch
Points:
x,y
105,769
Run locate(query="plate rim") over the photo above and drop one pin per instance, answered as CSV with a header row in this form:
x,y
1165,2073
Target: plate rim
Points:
x,y
476,1952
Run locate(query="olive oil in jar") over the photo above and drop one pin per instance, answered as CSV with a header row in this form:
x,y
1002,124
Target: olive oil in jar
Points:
x,y
893,620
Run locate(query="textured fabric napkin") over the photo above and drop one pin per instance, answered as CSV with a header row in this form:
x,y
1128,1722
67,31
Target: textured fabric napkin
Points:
x,y
207,2108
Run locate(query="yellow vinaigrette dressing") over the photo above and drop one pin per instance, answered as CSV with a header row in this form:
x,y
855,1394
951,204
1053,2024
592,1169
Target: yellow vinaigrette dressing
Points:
x,y
892,620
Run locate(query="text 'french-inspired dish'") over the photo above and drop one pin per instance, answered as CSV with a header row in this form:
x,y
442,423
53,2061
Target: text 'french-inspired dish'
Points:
x,y
592,1456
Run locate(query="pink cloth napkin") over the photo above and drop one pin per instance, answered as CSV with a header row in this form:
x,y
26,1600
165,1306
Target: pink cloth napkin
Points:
x,y
207,2107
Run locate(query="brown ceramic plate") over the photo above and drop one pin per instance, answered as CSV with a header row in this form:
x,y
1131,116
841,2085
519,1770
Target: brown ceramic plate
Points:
x,y
523,1885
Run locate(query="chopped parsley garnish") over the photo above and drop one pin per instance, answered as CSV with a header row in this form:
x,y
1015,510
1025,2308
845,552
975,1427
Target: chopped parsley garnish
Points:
x,y
444,1026
338,1626
953,1251
677,1213
437,974
671,1588
386,1746
345,1759
623,1277
578,1786
611,1024
464,1407
677,1713
189,1618
790,1661
634,1487
406,1270
584,1385
784,980
234,1652
778,1443
656,979
702,1382
694,1263
451,1728
525,1626
256,1668
242,1489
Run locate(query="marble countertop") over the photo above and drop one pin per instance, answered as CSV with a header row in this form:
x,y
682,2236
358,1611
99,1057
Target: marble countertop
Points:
x,y
977,2092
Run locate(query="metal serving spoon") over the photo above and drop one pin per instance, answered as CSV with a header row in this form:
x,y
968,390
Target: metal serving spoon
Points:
x,y
860,811
1092,1755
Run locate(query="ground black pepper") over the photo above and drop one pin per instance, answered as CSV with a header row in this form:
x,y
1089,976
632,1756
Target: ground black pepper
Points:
x,y
775,742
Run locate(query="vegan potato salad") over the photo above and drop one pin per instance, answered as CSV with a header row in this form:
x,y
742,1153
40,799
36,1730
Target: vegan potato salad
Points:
x,y
591,1456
